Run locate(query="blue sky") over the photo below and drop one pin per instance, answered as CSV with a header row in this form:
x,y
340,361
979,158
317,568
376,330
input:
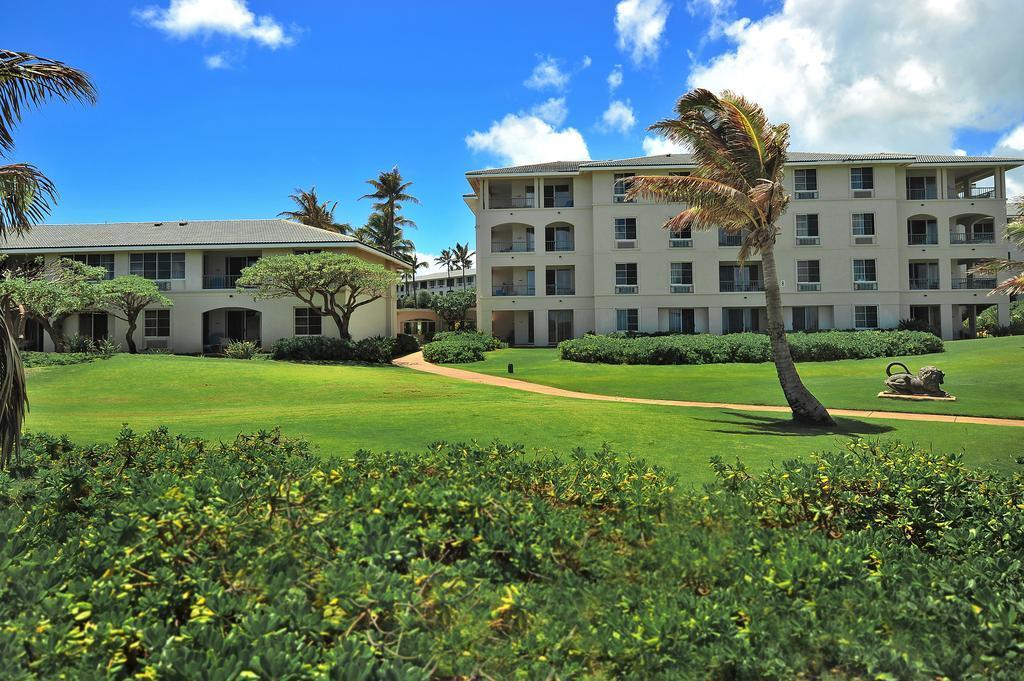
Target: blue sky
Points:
x,y
220,108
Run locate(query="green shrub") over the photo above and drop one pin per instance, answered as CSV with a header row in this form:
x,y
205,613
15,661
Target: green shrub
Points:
x,y
241,349
54,359
79,343
405,345
375,350
313,349
459,347
746,347
171,557
106,348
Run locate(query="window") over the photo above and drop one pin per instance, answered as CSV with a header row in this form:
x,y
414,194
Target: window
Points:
x,y
805,318
98,260
627,320
924,276
560,281
739,278
737,319
625,230
94,325
308,322
807,230
626,278
920,188
729,238
865,316
558,238
158,323
863,228
557,196
619,187
681,277
862,178
808,275
680,238
922,232
158,265
559,326
805,183
864,275
680,320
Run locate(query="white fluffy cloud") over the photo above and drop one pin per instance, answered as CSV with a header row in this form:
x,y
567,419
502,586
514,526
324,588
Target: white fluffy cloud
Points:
x,y
615,78
518,139
217,61
587,61
640,25
873,75
553,111
431,268
1012,144
618,116
187,18
655,146
547,74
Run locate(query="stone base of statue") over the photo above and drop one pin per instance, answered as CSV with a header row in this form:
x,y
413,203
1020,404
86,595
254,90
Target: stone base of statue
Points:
x,y
918,398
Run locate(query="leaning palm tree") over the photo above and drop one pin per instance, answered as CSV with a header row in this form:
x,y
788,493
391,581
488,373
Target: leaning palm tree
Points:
x,y
737,187
1014,285
390,190
314,213
26,197
462,258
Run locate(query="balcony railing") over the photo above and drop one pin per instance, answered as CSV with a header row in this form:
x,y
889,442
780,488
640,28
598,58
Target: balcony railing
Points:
x,y
554,290
740,286
976,238
974,282
921,194
808,240
559,245
512,246
514,290
922,240
923,284
972,193
220,281
511,202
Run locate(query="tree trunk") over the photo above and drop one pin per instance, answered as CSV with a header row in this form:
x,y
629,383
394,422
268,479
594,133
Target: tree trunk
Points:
x,y
342,321
805,406
129,337
55,330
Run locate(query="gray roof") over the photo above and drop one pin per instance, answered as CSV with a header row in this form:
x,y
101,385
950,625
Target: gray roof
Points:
x,y
687,159
172,233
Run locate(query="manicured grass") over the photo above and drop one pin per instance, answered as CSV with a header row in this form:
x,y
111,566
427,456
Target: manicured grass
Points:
x,y
344,408
985,374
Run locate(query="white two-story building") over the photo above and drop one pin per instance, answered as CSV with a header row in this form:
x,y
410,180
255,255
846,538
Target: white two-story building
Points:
x,y
196,264
868,240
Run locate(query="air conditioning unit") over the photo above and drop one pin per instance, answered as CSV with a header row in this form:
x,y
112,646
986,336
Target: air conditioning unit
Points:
x,y
680,243
863,193
627,288
157,344
806,194
862,239
625,243
681,288
808,286
808,240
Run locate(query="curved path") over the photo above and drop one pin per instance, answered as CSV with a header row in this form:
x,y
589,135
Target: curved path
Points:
x,y
415,361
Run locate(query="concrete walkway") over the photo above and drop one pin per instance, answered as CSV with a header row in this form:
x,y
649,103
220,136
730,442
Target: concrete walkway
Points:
x,y
415,361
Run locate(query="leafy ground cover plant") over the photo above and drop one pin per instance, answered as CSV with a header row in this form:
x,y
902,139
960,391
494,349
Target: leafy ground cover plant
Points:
x,y
55,359
241,349
459,347
707,348
170,556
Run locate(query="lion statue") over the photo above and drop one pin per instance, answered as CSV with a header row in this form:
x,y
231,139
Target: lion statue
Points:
x,y
927,382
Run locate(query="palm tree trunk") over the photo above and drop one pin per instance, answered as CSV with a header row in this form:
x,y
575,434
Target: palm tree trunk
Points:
x,y
13,400
805,406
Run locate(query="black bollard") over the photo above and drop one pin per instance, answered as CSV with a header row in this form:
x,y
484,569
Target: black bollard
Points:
x,y
510,368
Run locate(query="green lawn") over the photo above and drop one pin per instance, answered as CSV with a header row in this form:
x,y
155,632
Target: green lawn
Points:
x,y
345,408
986,376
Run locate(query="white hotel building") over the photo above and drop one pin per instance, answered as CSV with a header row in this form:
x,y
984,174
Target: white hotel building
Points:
x,y
868,240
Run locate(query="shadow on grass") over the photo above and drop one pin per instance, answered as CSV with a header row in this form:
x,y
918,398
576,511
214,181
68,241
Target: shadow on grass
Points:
x,y
755,424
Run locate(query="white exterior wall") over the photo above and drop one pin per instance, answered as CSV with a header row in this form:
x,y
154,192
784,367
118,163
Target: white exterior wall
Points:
x,y
595,303
191,301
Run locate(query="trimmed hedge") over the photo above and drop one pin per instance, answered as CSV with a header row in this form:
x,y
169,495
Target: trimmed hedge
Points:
x,y
747,347
405,345
459,347
374,350
55,359
171,557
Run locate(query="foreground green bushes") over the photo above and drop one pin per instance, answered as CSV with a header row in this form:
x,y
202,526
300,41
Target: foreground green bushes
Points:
x,y
459,347
707,348
374,350
172,557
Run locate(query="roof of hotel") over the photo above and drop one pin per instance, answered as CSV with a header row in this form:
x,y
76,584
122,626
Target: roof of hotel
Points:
x,y
687,159
470,271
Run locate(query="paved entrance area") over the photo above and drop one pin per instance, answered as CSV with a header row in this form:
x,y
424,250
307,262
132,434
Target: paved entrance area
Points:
x,y
415,361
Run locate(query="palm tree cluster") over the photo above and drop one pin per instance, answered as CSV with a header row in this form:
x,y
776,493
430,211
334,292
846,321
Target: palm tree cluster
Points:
x,y
737,186
26,197
1014,285
458,257
311,211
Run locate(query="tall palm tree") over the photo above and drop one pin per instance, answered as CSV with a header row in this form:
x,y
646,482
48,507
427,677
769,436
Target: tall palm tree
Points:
x,y
415,264
390,190
462,258
26,197
1013,286
737,186
378,233
311,211
447,261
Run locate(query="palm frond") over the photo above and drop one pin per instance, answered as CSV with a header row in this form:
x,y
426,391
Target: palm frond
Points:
x,y
27,81
1013,286
26,198
13,396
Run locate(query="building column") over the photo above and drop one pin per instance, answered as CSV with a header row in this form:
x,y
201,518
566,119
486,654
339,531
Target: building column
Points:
x,y
715,320
948,322
1004,313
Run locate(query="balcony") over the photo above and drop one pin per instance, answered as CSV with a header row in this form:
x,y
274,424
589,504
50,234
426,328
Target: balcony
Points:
x,y
512,202
513,290
984,283
220,281
962,238
515,246
924,284
511,194
922,240
560,290
740,286
971,192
